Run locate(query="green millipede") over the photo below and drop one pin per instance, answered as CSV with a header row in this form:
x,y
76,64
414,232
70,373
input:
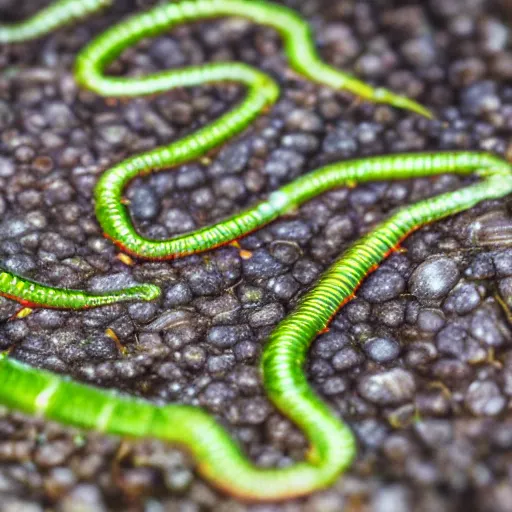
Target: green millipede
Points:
x,y
31,293
219,458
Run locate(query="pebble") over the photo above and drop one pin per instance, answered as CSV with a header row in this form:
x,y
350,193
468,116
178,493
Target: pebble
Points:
x,y
480,97
463,299
484,398
347,358
382,286
433,279
485,329
430,320
226,336
388,388
261,265
267,315
382,350
144,203
203,280
201,343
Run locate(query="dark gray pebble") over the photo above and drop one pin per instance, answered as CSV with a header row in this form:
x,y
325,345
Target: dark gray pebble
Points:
x,y
382,350
388,388
484,398
347,358
144,203
430,320
177,295
382,286
484,328
462,300
267,315
262,265
228,335
203,280
433,279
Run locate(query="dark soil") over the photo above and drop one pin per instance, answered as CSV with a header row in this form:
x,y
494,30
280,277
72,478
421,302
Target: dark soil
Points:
x,y
420,364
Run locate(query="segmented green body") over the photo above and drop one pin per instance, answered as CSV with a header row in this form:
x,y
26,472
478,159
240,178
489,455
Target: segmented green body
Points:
x,y
56,15
31,293
220,460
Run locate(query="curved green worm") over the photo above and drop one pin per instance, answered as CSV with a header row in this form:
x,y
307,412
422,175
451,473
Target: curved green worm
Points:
x,y
34,294
220,460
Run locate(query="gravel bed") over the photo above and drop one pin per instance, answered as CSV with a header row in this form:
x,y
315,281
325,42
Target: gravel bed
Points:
x,y
419,364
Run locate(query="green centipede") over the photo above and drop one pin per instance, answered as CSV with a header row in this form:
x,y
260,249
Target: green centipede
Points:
x,y
219,458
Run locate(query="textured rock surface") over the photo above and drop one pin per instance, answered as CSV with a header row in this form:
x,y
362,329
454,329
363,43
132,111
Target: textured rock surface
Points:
x,y
423,375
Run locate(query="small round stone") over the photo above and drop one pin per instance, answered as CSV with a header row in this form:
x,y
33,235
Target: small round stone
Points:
x,y
484,398
463,299
434,279
388,388
382,286
144,203
382,350
430,320
347,358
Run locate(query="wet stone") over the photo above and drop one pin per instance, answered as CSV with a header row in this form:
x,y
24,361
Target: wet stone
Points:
x,y
391,313
100,348
178,221
226,336
7,167
84,497
262,265
382,286
194,357
20,264
284,163
430,320
371,432
306,271
462,300
284,286
177,295
203,280
434,433
190,177
505,288
326,345
388,388
291,230
286,252
357,311
382,350
144,203
143,312
246,351
484,398
503,263
340,143
394,498
267,315
222,310
300,142
108,283
452,340
480,97
53,454
347,358
254,411
433,279
220,365
485,329
232,159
